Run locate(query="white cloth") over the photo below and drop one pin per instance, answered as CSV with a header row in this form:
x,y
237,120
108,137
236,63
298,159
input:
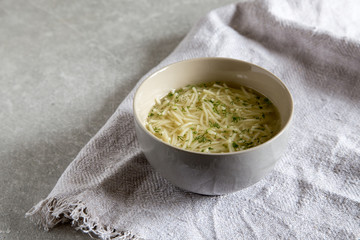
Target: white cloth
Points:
x,y
314,191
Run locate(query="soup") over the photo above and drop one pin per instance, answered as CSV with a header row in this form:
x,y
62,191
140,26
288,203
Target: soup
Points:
x,y
213,118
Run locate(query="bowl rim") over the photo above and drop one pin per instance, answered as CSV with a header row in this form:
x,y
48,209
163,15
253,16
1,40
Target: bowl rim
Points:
x,y
283,129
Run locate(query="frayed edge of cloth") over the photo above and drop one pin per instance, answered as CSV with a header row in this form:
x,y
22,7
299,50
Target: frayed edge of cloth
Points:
x,y
52,211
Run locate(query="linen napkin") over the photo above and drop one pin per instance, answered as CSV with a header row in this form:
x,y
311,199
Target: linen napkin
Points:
x,y
111,191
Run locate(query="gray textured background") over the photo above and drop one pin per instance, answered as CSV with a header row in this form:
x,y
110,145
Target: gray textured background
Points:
x,y
64,68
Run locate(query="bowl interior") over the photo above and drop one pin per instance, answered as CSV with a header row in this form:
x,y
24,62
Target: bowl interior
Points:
x,y
232,72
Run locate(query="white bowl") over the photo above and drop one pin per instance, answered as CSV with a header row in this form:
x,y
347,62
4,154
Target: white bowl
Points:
x,y
212,173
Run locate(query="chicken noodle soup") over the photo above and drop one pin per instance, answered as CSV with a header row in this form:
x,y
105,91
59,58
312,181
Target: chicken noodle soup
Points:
x,y
213,118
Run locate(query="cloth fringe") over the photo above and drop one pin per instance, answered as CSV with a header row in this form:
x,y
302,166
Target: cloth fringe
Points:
x,y
52,211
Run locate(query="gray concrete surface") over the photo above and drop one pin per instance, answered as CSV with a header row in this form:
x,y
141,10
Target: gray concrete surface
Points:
x,y
64,68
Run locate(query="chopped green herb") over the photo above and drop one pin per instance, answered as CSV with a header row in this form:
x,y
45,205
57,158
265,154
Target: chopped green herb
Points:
x,y
248,144
215,124
180,138
237,119
201,138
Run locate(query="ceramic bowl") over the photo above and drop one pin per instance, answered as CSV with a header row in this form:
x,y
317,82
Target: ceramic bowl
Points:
x,y
211,173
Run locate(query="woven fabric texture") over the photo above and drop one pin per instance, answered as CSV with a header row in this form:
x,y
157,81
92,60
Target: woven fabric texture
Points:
x,y
111,191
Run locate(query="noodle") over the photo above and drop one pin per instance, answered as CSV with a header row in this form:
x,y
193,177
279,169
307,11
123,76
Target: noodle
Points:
x,y
214,118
